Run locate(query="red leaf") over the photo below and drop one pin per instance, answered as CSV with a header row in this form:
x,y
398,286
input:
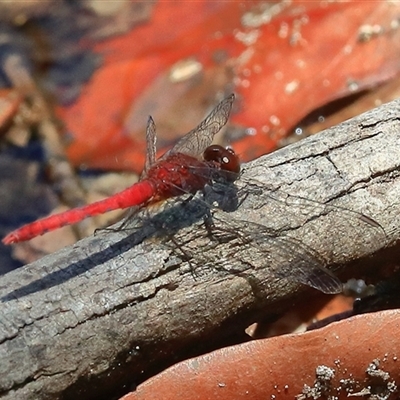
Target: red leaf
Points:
x,y
284,61
358,351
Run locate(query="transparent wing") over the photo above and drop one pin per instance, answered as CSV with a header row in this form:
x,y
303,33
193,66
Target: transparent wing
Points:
x,y
304,209
306,266
287,257
151,139
198,139
296,260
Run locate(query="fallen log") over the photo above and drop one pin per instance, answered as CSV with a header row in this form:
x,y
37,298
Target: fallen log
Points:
x,y
99,317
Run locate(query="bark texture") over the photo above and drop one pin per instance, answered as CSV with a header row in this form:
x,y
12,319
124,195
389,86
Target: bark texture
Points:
x,y
118,307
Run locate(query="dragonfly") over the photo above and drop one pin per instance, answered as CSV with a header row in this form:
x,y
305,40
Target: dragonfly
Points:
x,y
193,165
181,170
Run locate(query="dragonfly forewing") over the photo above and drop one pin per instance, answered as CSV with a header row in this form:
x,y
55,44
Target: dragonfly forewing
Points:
x,y
198,139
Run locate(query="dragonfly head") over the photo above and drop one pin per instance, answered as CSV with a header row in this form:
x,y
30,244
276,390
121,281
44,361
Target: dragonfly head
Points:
x,y
226,159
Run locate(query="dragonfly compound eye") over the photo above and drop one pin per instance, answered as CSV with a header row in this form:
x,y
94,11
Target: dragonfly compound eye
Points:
x,y
226,158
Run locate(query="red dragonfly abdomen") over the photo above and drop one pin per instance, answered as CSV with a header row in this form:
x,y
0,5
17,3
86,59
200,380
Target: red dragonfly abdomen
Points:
x,y
174,176
135,195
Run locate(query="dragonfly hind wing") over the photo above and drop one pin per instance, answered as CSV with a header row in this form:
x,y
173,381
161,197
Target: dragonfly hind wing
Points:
x,y
319,278
286,257
305,266
151,140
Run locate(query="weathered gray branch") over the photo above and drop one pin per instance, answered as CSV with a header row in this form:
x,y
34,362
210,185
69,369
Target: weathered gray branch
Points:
x,y
115,308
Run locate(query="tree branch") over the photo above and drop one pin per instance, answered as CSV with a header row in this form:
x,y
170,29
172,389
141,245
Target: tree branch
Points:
x,y
117,307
